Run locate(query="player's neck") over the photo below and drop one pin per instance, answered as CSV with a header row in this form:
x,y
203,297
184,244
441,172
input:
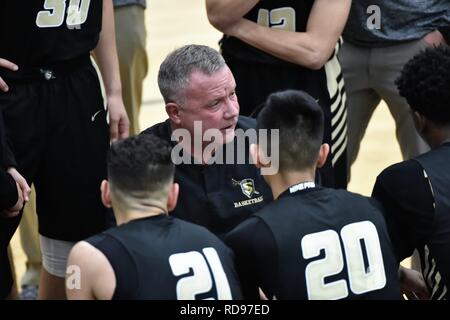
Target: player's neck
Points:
x,y
438,137
281,181
133,214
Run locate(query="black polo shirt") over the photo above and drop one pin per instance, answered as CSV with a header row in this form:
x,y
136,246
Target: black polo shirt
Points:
x,y
217,196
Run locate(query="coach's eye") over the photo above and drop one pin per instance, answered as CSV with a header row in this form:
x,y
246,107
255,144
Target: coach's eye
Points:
x,y
214,103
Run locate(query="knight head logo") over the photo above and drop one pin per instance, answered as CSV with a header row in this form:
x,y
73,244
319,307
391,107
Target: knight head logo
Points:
x,y
247,187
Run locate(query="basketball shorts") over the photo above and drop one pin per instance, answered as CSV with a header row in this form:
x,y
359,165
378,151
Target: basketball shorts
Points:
x,y
58,132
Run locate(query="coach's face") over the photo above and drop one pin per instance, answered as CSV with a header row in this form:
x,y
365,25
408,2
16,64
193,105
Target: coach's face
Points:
x,y
212,100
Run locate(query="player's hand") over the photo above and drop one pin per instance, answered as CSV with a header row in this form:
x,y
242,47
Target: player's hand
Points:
x,y
412,284
118,119
434,39
7,65
14,210
24,187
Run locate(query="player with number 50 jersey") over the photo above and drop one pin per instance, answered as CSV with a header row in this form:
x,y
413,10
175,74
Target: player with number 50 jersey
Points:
x,y
56,121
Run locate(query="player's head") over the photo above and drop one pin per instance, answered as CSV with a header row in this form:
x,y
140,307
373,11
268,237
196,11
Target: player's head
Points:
x,y
300,121
197,85
140,175
425,83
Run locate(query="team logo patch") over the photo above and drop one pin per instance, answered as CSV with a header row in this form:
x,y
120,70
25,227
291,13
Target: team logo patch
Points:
x,y
247,187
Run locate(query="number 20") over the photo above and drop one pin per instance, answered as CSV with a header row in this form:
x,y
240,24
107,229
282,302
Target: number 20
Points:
x,y
54,14
360,279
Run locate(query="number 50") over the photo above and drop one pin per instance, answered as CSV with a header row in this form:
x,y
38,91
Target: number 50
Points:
x,y
54,14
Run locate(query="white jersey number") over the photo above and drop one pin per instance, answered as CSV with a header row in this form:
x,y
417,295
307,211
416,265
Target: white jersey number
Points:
x,y
281,18
200,281
361,279
53,16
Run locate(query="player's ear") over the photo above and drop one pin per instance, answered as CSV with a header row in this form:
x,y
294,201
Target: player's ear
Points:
x,y
323,154
419,121
259,157
173,196
106,194
173,111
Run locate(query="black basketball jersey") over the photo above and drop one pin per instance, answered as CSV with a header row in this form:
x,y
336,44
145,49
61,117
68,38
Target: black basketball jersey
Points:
x,y
43,32
258,74
162,257
326,244
416,198
291,15
435,248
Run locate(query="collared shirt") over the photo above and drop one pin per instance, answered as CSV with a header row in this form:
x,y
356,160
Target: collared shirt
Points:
x,y
120,3
217,196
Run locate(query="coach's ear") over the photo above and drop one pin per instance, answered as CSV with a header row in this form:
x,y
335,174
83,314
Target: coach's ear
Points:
x,y
323,154
173,111
106,194
173,196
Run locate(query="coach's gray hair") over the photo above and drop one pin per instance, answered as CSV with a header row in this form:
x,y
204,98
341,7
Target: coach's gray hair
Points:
x,y
175,70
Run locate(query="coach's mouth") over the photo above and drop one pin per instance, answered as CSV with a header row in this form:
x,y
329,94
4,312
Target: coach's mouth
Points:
x,y
228,128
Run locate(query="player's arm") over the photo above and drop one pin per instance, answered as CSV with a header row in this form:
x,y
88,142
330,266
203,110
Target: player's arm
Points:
x,y
239,242
7,65
312,48
24,188
8,161
89,274
438,37
223,13
106,57
407,199
255,251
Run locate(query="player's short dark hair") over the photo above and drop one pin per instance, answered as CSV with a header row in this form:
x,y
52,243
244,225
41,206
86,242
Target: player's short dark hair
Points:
x,y
425,83
140,164
300,120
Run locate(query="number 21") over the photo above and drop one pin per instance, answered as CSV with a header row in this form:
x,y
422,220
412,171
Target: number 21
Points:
x,y
188,287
